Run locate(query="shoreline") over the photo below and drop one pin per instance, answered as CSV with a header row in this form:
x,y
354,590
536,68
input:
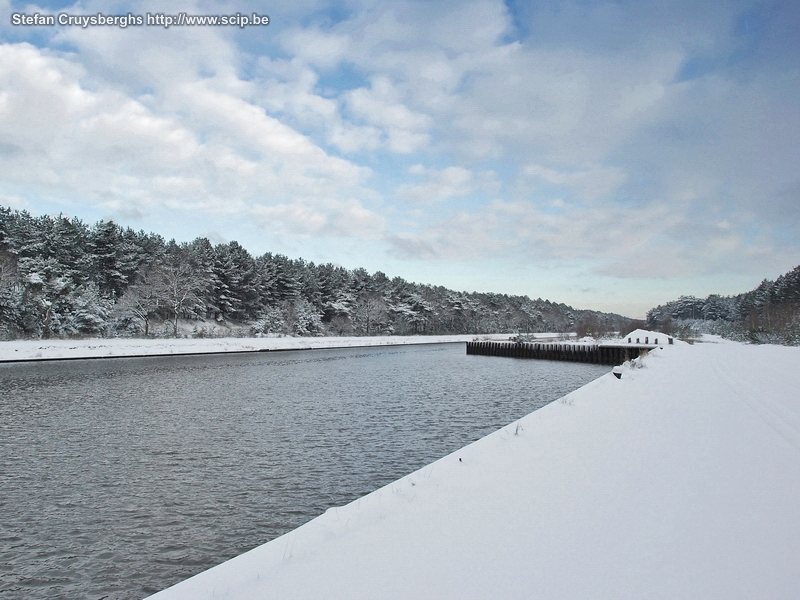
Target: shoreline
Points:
x,y
97,348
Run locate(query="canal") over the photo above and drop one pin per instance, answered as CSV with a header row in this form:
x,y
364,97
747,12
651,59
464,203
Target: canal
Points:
x,y
121,477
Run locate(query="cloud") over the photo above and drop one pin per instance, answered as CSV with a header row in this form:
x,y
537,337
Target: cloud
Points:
x,y
445,184
591,182
649,242
68,134
288,90
289,219
15,202
412,247
448,79
405,130
322,50
320,217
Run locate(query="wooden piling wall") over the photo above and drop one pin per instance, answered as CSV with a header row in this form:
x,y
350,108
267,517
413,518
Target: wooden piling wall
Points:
x,y
588,353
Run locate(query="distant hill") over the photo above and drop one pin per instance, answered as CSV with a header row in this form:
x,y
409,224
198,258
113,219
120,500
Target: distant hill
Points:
x,y
770,313
60,277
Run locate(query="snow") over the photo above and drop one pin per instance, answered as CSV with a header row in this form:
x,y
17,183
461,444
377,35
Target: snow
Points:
x,y
22,350
638,336
679,480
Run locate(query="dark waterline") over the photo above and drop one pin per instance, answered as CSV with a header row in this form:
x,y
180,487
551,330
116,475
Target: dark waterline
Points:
x,y
119,478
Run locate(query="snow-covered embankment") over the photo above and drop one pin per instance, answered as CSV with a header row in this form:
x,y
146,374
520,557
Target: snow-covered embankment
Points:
x,y
34,350
680,480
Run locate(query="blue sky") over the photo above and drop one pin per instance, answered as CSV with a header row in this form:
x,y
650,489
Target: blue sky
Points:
x,y
610,155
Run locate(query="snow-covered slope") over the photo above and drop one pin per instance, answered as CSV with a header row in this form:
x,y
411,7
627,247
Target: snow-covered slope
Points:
x,y
680,480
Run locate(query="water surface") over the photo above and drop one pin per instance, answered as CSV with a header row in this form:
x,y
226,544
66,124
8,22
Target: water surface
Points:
x,y
121,477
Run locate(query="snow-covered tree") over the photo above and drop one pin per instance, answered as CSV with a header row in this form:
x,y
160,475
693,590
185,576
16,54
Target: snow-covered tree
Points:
x,y
105,244
271,320
178,287
303,317
236,283
140,303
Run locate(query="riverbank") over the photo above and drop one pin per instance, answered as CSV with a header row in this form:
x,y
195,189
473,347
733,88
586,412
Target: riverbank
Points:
x,y
680,479
33,350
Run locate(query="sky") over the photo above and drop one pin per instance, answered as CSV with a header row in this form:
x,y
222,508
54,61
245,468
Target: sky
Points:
x,y
609,155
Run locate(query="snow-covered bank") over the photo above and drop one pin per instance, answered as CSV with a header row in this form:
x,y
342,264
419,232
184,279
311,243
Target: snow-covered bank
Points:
x,y
680,480
118,347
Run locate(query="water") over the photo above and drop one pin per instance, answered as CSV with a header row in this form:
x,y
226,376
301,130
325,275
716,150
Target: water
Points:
x,y
119,478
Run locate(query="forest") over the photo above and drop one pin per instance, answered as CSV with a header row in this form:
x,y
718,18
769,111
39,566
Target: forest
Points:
x,y
60,277
770,313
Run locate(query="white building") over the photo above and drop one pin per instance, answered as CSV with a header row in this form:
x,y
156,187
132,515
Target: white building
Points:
x,y
643,337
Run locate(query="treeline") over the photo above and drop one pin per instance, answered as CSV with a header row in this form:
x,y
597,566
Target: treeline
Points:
x,y
60,277
768,314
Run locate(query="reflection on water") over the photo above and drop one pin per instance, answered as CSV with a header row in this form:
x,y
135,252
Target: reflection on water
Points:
x,y
121,477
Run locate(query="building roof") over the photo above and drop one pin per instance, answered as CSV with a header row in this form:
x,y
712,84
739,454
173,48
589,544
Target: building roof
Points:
x,y
641,334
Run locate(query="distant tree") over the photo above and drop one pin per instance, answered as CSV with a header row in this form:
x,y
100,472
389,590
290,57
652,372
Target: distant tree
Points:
x,y
303,317
10,293
266,280
141,301
89,312
271,320
287,278
58,276
371,315
236,283
105,244
178,287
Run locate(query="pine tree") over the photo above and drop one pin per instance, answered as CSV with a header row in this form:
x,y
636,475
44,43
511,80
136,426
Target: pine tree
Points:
x,y
105,241
287,282
266,280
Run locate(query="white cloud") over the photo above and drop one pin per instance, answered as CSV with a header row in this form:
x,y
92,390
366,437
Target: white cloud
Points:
x,y
68,134
649,242
591,182
321,217
405,130
352,219
287,90
324,50
290,219
15,202
443,76
444,184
